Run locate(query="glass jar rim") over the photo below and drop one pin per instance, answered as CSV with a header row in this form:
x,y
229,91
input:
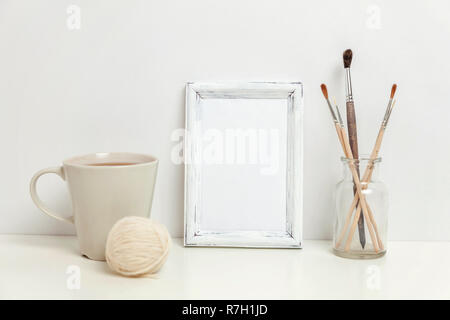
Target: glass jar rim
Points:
x,y
361,159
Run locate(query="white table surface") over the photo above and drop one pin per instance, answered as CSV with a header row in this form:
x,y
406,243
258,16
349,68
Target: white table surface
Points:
x,y
34,267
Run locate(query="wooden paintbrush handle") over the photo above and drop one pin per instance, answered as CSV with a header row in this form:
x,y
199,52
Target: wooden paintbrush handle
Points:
x,y
352,132
362,198
353,139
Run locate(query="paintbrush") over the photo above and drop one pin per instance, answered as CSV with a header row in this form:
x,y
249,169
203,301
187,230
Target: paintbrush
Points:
x,y
369,169
368,174
324,89
363,205
352,131
348,154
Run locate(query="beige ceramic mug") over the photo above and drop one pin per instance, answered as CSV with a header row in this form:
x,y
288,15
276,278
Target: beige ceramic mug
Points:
x,y
104,187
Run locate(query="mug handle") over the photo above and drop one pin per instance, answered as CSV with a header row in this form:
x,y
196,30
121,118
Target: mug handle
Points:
x,y
37,201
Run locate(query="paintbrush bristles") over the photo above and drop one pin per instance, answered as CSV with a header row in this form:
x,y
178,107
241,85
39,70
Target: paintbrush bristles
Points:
x,y
324,90
394,88
325,94
347,56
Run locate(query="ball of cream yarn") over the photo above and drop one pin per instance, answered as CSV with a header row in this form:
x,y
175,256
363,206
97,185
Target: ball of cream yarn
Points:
x,y
137,246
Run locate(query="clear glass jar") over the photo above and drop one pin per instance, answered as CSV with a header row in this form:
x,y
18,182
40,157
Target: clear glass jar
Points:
x,y
361,238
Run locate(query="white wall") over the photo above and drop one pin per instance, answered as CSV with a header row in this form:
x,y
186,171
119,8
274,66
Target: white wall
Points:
x,y
118,84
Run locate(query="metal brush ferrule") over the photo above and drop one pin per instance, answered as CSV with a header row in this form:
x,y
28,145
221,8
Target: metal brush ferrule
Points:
x,y
348,85
341,122
333,115
392,103
387,114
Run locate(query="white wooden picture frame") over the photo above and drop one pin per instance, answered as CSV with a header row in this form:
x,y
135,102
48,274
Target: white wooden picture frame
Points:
x,y
231,199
